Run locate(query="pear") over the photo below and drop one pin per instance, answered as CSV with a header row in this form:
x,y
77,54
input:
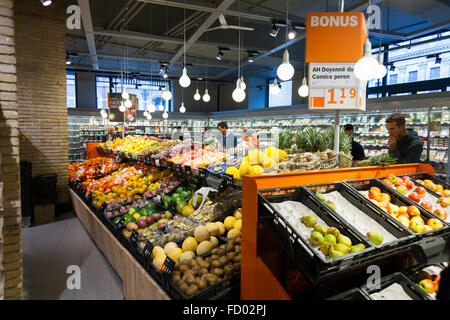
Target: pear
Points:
x,y
375,237
330,238
325,247
320,196
335,253
309,221
316,238
334,231
342,248
357,247
344,240
321,229
331,204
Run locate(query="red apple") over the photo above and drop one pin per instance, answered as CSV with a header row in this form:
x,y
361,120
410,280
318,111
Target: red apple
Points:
x,y
416,226
384,197
418,220
427,205
413,211
440,213
427,285
150,220
403,209
406,178
141,224
387,181
434,223
373,195
399,183
414,197
420,191
435,278
409,185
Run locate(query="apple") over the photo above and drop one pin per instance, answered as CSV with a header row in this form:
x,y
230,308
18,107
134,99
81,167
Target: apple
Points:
x,y
414,197
375,189
427,228
402,189
434,223
409,185
403,220
387,182
374,201
435,278
402,209
440,214
427,205
392,209
385,197
417,219
406,178
446,193
420,181
416,226
427,285
373,195
150,220
141,224
392,178
156,216
420,191
444,202
399,183
132,226
413,211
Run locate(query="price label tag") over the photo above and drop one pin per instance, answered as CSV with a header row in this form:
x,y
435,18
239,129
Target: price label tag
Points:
x,y
120,223
134,237
168,266
333,86
147,249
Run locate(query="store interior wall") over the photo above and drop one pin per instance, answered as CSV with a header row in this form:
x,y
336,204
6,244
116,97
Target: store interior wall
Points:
x,y
187,95
41,90
257,91
86,90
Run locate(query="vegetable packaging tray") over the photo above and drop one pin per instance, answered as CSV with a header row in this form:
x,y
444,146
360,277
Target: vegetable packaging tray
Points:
x,y
309,259
397,199
410,288
386,224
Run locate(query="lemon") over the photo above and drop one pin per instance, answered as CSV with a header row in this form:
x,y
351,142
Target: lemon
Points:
x,y
244,169
268,163
231,170
238,225
256,169
229,222
255,157
189,244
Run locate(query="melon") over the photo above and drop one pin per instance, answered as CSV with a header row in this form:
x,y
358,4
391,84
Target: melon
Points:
x,y
169,246
229,222
233,234
157,250
214,241
238,224
189,244
213,228
175,254
158,261
187,255
204,247
221,228
201,233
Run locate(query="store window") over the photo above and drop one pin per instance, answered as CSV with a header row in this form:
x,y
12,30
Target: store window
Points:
x,y
412,76
284,97
393,78
102,88
435,73
71,90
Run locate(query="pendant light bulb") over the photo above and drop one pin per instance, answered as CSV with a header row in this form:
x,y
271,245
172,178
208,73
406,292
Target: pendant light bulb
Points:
x,y
184,79
152,107
145,113
167,95
103,114
182,108
243,85
285,70
274,88
197,95
366,67
165,114
238,94
303,91
381,70
122,107
125,94
161,107
206,96
128,104
149,116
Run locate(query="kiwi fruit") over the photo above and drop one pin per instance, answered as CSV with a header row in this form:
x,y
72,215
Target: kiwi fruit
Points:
x,y
184,286
202,271
231,255
229,247
211,278
193,263
237,249
238,240
176,279
218,272
223,260
191,290
215,251
228,270
237,258
184,268
208,260
214,257
191,271
176,272
216,264
221,251
201,284
188,278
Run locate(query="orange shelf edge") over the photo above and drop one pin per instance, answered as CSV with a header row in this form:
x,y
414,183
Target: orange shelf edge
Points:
x,y
257,281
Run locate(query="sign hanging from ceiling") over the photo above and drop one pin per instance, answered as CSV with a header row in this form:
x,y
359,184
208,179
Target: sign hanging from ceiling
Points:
x,y
334,42
114,102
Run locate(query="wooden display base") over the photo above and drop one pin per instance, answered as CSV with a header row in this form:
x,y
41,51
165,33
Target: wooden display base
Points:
x,y
137,283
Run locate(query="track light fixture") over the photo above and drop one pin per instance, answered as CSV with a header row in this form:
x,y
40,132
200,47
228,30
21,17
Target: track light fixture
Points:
x,y
220,53
292,33
438,60
46,3
392,68
274,30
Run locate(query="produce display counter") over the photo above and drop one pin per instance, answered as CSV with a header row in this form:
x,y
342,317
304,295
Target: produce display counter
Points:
x,y
137,282
264,263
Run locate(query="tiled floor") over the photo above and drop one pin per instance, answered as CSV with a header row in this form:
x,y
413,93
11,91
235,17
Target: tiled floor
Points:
x,y
49,249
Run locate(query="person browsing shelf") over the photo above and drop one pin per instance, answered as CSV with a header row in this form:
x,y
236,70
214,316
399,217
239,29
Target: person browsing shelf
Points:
x,y
404,144
357,149
225,139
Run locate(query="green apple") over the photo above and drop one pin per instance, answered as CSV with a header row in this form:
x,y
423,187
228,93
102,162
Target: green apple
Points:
x,y
309,221
320,196
357,247
375,237
335,253
321,229
331,204
334,231
342,248
325,247
330,238
316,238
344,240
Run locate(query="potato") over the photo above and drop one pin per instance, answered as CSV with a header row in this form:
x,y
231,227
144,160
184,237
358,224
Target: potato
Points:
x,y
223,260
191,290
221,252
201,284
238,240
202,271
188,278
184,268
231,255
218,272
237,249
237,258
204,264
191,271
184,286
176,280
177,272
214,257
211,278
229,247
216,264
215,251
193,263
228,270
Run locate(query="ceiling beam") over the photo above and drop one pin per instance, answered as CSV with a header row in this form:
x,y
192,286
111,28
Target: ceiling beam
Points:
x,y
212,9
201,29
87,24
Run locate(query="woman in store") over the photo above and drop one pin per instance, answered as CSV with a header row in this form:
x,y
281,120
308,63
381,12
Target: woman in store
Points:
x,y
249,140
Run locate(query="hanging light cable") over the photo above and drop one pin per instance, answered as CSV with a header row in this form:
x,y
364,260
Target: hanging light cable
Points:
x,y
184,80
285,70
206,96
303,90
381,70
238,94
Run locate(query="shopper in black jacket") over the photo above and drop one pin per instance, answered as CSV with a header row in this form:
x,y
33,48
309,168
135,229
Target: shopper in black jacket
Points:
x,y
357,149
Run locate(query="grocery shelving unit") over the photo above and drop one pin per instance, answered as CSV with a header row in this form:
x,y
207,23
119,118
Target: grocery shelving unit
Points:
x,y
264,264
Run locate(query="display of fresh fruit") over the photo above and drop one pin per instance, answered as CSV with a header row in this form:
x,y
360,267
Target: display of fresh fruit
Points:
x,y
375,237
92,168
138,145
198,158
195,274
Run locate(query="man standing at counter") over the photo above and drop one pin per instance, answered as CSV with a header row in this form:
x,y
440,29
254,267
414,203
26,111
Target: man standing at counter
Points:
x,y
404,144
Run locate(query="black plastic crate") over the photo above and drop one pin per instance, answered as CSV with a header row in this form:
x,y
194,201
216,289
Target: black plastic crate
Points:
x,y
425,176
410,287
315,267
397,199
403,234
44,189
352,294
413,275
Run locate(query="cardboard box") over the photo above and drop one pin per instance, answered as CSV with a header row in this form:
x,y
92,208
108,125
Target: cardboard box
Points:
x,y
44,213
